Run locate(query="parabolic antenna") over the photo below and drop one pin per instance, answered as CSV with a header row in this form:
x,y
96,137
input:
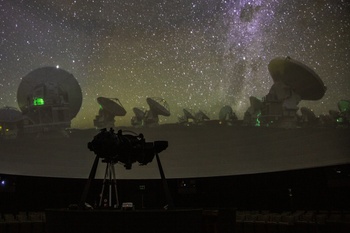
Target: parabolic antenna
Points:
x,y
255,103
10,115
113,106
50,76
344,106
225,113
158,106
139,113
202,115
188,113
308,114
302,79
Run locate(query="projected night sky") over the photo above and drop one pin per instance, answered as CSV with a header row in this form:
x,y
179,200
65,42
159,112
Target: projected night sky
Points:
x,y
199,54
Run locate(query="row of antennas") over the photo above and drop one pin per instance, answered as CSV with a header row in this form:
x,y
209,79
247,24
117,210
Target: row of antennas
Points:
x,y
263,113
49,98
226,116
112,107
255,115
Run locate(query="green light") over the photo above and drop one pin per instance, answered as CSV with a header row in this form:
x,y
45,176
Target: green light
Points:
x,y
257,122
38,101
340,120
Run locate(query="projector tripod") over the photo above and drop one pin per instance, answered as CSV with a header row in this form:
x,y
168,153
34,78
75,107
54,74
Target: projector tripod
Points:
x,y
112,183
109,178
110,174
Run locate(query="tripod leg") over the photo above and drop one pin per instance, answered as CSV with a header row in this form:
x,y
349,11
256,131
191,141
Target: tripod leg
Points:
x,y
168,197
103,185
110,186
115,186
88,183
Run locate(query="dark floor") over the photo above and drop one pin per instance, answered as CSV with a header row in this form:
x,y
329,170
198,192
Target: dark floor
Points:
x,y
311,200
321,221
298,221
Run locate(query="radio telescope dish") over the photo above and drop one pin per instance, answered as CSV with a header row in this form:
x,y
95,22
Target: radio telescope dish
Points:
x,y
109,108
302,79
200,115
188,114
10,115
113,106
139,113
158,106
225,113
344,106
139,118
308,115
57,84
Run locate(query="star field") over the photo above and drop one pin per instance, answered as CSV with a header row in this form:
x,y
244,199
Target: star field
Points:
x,y
199,54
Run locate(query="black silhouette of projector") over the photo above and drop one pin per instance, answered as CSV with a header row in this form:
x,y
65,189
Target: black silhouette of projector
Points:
x,y
125,148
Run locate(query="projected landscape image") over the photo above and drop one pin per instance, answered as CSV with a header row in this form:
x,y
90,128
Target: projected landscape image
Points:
x,y
200,55
228,87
